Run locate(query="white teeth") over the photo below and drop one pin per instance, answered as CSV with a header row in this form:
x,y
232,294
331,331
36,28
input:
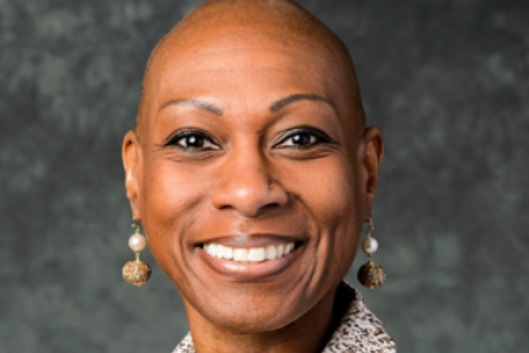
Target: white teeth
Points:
x,y
280,250
251,254
211,249
218,251
227,253
256,255
240,255
271,252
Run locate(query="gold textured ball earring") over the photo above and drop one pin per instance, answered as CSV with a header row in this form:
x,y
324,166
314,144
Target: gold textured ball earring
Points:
x,y
137,272
370,275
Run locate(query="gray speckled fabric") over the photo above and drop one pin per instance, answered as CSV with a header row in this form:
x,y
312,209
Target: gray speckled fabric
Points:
x,y
360,331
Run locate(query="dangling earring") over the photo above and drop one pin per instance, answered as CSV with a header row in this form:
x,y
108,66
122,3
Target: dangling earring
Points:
x,y
137,272
370,275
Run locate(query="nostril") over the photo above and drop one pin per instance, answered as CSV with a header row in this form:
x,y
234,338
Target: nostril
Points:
x,y
271,205
248,192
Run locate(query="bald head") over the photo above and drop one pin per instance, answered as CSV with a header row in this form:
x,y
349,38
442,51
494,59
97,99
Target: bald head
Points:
x,y
251,120
284,19
261,15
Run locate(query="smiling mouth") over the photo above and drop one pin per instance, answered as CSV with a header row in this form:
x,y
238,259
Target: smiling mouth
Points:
x,y
250,258
252,255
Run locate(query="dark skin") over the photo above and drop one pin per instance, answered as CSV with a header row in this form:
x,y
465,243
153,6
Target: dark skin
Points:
x,y
240,96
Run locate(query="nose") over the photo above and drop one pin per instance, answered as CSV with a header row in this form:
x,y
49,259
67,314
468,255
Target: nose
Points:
x,y
244,184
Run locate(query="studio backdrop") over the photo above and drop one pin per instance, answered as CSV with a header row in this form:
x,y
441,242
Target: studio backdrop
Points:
x,y
446,81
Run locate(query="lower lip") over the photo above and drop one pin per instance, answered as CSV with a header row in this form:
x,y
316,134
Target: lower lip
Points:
x,y
248,271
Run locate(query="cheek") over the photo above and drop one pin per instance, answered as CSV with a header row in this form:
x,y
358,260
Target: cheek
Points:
x,y
329,189
169,196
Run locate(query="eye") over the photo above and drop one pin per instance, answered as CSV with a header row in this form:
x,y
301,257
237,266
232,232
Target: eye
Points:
x,y
303,138
193,141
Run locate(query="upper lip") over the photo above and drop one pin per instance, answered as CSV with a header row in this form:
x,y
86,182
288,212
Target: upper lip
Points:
x,y
253,240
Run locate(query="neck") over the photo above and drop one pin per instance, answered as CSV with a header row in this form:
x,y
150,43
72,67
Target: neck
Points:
x,y
307,334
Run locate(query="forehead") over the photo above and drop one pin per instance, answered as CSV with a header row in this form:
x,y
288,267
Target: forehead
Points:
x,y
259,63
232,57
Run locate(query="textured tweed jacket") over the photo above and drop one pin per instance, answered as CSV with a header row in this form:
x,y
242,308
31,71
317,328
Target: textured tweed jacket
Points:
x,y
360,331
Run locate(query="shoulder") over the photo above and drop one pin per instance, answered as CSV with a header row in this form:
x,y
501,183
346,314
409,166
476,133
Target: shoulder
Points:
x,y
186,345
360,330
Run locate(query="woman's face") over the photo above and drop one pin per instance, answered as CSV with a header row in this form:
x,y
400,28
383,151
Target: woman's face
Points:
x,y
251,146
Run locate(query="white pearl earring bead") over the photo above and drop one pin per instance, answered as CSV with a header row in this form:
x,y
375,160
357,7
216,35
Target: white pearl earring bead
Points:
x,y
369,245
137,242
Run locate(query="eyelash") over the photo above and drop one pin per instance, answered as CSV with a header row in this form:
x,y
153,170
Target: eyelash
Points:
x,y
207,139
319,137
316,137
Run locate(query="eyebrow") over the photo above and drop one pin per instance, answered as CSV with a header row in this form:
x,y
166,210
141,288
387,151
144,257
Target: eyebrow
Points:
x,y
195,103
274,107
283,102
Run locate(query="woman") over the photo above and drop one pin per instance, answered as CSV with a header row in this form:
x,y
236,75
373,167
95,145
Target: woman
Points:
x,y
252,174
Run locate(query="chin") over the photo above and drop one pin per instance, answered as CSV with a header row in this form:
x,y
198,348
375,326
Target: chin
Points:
x,y
256,309
249,321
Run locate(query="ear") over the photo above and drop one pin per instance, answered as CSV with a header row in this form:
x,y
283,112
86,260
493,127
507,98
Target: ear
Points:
x,y
132,155
373,148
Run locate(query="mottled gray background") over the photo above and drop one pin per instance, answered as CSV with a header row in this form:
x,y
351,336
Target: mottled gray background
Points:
x,y
447,81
